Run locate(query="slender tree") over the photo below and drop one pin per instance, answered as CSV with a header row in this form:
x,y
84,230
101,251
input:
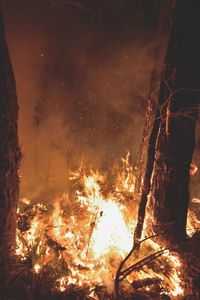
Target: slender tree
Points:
x,y
9,149
148,144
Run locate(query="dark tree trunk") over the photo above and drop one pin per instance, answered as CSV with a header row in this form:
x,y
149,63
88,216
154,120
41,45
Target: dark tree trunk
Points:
x,y
155,76
180,88
9,150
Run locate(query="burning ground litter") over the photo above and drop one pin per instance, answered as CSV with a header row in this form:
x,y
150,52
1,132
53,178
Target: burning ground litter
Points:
x,y
83,235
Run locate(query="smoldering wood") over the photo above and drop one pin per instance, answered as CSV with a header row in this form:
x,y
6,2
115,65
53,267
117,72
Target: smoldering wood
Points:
x,y
9,149
137,284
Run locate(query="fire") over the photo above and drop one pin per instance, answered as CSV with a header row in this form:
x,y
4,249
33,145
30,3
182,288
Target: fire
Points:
x,y
193,223
83,241
112,227
175,278
193,169
37,268
196,200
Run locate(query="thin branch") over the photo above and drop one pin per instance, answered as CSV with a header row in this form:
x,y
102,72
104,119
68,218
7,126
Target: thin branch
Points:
x,y
119,270
145,261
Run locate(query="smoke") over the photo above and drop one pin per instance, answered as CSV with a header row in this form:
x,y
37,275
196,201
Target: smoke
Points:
x,y
82,84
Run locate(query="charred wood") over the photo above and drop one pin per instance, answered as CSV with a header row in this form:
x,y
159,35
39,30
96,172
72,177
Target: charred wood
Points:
x,y
137,284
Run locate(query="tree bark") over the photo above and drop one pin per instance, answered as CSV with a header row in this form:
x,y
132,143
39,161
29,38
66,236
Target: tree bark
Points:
x,y
176,135
9,149
151,151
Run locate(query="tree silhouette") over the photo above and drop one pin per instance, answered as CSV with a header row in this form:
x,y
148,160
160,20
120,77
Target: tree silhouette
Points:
x,y
9,149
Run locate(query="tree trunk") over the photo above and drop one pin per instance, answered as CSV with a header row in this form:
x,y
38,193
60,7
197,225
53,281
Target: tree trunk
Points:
x,y
155,76
176,135
9,149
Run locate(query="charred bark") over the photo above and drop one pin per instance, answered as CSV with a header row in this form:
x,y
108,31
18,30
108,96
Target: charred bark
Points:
x,y
176,135
9,149
164,93
151,142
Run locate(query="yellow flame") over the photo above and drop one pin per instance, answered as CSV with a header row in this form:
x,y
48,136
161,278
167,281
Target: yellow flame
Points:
x,y
37,268
111,232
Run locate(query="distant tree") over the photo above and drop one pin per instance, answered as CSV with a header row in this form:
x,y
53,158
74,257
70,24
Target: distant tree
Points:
x,y
37,121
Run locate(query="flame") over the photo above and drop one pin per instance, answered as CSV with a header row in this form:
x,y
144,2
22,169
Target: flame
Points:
x,y
196,200
37,268
193,169
175,282
84,240
193,224
113,229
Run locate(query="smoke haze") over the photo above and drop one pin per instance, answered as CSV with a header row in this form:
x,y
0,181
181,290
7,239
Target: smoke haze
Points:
x,y
82,82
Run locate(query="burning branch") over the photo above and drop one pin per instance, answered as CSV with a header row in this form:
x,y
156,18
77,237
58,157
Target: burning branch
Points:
x,y
145,261
120,275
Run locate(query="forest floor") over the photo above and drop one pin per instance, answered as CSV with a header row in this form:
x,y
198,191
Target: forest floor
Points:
x,y
18,282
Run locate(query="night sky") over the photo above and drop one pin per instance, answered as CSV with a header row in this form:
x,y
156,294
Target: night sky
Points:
x,y
82,76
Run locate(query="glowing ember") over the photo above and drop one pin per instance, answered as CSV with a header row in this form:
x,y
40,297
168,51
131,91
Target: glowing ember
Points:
x,y
37,268
196,200
175,279
193,224
193,169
